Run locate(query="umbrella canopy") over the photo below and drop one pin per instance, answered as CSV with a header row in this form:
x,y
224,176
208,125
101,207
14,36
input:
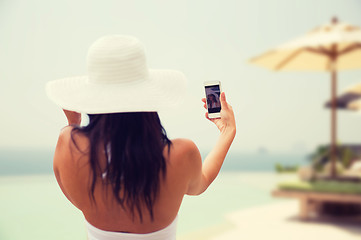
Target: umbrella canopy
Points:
x,y
344,100
348,100
354,105
331,47
316,50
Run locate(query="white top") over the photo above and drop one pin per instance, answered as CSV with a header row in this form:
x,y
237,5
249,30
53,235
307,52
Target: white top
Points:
x,y
167,233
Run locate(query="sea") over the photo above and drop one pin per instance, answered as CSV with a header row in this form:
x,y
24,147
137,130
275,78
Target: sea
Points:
x,y
32,205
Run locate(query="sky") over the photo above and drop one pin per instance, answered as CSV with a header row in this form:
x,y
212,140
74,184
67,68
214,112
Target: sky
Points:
x,y
207,40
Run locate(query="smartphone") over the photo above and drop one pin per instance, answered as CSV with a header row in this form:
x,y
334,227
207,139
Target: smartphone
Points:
x,y
213,102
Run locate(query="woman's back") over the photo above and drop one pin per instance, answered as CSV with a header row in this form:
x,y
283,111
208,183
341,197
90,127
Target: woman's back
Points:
x,y
73,172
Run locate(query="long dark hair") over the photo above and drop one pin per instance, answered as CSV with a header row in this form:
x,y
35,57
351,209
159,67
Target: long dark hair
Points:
x,y
133,143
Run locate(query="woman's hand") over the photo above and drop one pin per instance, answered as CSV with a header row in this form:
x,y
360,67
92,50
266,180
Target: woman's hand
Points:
x,y
227,122
74,118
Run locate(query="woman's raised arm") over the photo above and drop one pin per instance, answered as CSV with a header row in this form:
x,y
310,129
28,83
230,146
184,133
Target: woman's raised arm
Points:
x,y
205,173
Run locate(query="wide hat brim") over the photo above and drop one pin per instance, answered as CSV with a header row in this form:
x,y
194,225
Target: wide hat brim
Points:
x,y
162,90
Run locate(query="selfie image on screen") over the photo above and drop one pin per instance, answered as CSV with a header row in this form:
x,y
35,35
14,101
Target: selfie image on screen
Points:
x,y
213,102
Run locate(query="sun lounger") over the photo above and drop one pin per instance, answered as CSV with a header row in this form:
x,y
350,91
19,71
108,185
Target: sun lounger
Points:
x,y
313,195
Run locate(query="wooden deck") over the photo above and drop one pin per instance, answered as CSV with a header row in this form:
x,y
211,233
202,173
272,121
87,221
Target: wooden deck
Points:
x,y
310,202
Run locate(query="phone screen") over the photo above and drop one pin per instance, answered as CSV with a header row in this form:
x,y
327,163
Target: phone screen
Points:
x,y
213,93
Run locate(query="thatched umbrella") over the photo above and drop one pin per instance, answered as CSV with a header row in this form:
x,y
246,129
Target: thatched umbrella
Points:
x,y
331,47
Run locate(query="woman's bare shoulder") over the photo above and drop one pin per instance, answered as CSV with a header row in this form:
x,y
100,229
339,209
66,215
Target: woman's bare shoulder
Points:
x,y
184,152
71,146
184,146
69,134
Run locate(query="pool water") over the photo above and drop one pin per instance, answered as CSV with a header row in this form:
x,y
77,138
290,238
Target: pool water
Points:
x,y
33,207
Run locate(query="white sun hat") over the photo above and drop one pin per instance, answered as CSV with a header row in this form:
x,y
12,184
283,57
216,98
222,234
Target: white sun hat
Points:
x,y
118,80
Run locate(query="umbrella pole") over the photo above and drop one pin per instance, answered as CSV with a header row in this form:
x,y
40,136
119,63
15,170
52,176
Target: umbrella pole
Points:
x,y
333,119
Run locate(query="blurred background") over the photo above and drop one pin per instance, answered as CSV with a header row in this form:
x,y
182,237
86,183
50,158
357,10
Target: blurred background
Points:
x,y
281,116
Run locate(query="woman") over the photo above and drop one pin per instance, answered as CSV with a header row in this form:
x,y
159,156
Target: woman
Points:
x,y
212,101
121,170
